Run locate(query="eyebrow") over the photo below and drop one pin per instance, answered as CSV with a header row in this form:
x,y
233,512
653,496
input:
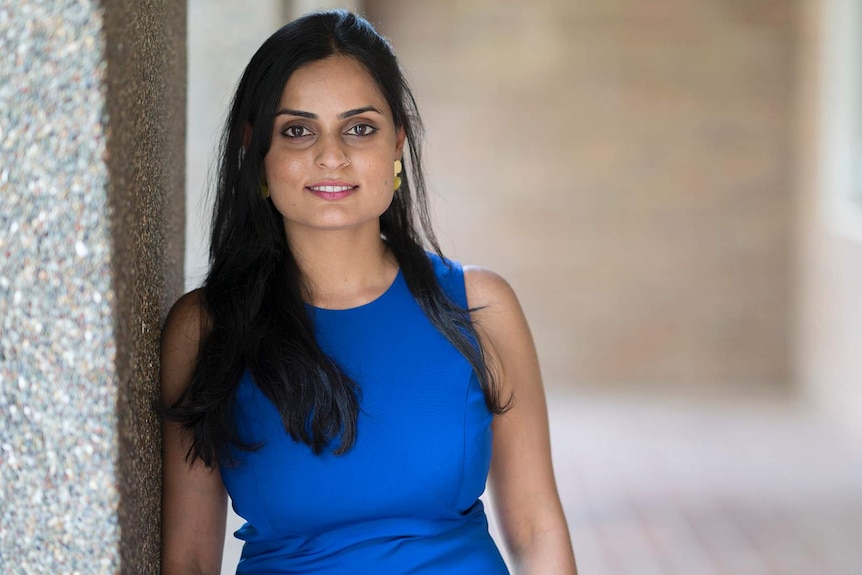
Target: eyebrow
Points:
x,y
342,115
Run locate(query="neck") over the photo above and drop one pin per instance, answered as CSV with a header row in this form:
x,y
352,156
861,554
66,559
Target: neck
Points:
x,y
342,268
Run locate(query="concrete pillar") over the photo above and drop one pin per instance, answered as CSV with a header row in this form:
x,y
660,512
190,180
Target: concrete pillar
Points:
x,y
92,127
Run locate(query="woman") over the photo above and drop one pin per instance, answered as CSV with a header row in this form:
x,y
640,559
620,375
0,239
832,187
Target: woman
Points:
x,y
328,375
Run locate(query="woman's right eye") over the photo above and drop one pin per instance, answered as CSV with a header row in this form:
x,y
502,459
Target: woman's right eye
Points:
x,y
296,132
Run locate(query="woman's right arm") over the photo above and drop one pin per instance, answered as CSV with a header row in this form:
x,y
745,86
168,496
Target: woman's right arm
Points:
x,y
194,501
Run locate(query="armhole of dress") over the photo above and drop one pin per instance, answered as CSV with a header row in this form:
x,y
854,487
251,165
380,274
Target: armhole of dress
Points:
x,y
451,279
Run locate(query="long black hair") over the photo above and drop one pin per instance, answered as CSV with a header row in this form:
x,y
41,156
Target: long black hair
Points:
x,y
253,294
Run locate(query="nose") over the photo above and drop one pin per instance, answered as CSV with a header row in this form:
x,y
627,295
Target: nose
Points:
x,y
331,153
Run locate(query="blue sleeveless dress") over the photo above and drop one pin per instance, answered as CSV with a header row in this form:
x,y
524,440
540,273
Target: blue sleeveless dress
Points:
x,y
404,499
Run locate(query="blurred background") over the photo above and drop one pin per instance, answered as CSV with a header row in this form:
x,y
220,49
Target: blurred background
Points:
x,y
673,188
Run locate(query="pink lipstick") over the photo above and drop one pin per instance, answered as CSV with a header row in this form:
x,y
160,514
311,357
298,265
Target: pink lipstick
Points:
x,y
332,189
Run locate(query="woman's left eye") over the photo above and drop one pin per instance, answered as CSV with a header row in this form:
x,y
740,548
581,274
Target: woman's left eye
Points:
x,y
362,130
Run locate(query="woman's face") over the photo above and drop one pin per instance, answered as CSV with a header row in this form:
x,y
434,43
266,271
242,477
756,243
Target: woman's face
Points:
x,y
334,144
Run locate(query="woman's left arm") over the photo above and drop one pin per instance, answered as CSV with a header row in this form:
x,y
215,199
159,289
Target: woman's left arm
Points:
x,y
521,479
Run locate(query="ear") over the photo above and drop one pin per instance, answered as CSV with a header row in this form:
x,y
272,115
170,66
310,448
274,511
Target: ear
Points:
x,y
399,142
246,136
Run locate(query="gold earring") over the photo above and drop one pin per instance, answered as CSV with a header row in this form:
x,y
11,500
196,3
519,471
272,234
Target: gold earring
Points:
x,y
264,190
397,182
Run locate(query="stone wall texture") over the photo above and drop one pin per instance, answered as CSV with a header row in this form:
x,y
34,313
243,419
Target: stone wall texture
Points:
x,y
58,379
627,166
146,89
92,116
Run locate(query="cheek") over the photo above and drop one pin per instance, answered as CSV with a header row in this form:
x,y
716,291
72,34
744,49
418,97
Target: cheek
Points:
x,y
380,175
280,169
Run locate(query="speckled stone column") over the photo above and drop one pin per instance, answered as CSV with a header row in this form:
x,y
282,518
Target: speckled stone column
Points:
x,y
92,127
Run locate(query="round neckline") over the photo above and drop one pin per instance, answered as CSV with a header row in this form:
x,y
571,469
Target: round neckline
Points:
x,y
362,306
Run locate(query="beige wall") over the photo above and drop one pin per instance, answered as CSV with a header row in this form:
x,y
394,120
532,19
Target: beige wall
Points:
x,y
626,166
829,358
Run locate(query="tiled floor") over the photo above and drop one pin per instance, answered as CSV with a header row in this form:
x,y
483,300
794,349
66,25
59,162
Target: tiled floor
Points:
x,y
672,487
753,487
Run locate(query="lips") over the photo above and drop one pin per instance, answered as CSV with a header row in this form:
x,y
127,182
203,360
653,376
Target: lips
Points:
x,y
332,189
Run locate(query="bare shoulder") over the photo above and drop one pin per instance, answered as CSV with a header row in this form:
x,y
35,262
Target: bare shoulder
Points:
x,y
489,291
187,319
502,328
184,330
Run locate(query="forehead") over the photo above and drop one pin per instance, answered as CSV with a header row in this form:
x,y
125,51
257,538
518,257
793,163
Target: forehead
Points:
x,y
337,83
